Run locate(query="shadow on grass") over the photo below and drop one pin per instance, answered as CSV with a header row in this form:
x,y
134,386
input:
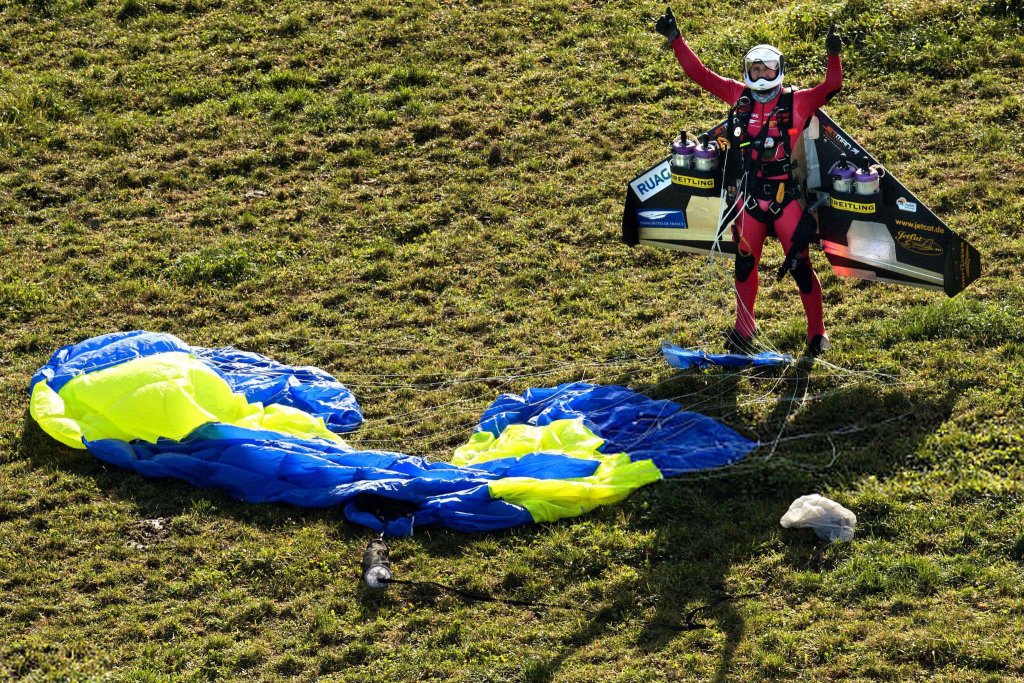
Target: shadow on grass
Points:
x,y
703,524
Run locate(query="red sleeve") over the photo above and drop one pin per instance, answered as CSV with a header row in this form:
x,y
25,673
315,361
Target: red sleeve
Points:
x,y
806,102
725,89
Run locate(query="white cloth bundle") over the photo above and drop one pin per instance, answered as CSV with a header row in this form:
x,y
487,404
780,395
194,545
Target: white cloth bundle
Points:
x,y
828,518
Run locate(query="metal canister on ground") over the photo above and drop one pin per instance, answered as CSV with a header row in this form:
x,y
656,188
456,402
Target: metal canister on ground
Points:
x,y
376,564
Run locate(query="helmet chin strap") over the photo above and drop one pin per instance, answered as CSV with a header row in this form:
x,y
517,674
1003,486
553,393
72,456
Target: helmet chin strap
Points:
x,y
767,95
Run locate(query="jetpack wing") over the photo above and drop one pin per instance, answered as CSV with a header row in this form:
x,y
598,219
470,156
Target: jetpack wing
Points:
x,y
673,210
887,235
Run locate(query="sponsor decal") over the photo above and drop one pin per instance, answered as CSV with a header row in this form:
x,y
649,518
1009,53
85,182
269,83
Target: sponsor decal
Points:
x,y
903,205
856,207
661,218
938,230
839,140
911,241
690,181
652,182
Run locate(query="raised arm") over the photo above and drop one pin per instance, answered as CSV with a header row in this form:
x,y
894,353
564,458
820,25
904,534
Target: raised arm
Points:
x,y
808,101
723,88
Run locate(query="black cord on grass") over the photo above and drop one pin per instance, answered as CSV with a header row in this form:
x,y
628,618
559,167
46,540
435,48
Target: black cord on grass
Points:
x,y
690,622
479,597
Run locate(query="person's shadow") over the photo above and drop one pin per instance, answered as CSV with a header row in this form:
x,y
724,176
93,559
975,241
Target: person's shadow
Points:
x,y
705,523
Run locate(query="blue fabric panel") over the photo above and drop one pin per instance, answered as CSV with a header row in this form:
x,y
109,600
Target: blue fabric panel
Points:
x,y
257,466
540,466
685,359
101,352
472,511
261,379
678,441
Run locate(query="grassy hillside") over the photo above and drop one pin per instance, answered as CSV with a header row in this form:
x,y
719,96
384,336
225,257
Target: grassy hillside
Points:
x,y
423,198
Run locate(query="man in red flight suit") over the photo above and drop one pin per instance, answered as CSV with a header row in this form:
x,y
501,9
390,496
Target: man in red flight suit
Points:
x,y
765,123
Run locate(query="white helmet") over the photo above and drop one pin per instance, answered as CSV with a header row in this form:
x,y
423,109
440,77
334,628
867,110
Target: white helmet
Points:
x,y
768,56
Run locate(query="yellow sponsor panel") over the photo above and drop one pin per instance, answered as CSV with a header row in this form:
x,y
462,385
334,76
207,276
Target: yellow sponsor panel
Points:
x,y
690,181
857,207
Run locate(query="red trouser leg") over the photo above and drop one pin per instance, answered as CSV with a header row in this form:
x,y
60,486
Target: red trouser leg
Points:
x,y
810,288
749,235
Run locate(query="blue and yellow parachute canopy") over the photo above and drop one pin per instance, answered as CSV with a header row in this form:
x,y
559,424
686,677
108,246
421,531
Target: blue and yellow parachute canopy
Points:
x,y
265,432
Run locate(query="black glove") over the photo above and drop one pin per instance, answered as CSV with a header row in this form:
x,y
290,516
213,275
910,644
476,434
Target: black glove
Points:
x,y
666,25
833,44
804,234
789,265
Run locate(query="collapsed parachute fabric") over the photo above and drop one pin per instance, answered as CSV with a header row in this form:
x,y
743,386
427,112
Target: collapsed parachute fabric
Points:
x,y
145,385
265,432
685,359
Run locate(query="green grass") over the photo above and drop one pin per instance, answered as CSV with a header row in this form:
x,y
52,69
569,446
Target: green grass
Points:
x,y
423,198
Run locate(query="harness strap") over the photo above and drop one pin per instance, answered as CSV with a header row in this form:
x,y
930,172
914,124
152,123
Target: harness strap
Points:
x,y
740,158
770,190
755,211
777,190
776,168
785,122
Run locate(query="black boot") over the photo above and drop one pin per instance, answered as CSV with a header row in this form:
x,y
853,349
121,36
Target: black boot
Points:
x,y
735,342
818,346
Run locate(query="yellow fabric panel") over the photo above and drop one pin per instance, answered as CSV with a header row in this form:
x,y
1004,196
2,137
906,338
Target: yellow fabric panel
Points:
x,y
165,395
568,437
288,420
551,499
47,409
